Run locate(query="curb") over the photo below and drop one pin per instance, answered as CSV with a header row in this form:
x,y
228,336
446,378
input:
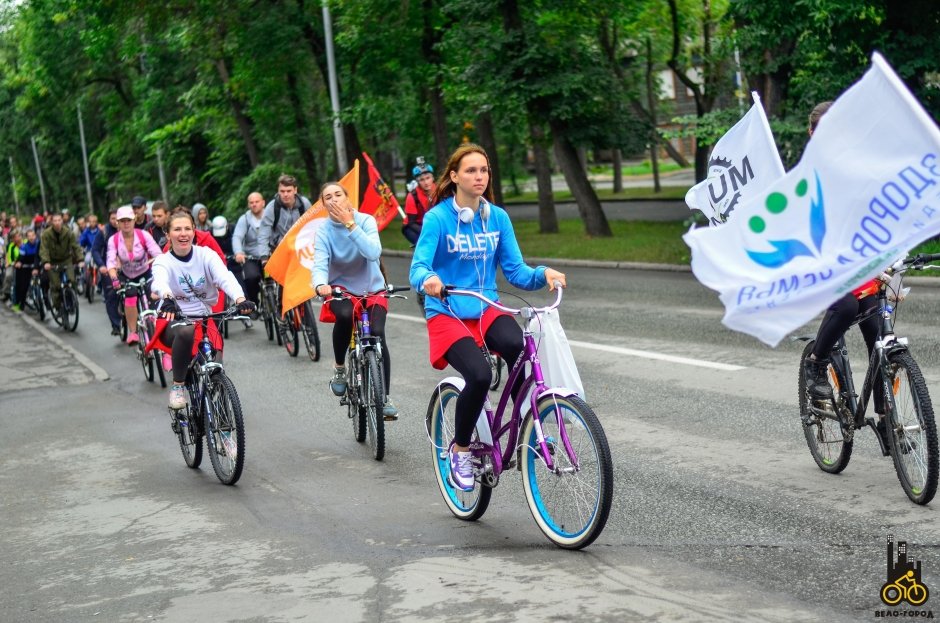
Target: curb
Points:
x,y
669,268
94,368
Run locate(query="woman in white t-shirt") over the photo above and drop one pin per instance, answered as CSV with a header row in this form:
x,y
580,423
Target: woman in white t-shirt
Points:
x,y
188,280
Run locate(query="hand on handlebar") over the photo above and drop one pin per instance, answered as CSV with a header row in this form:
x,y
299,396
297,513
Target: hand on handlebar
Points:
x,y
246,308
433,286
323,290
169,309
552,276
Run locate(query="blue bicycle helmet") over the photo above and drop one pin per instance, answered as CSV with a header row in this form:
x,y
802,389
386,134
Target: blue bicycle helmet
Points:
x,y
421,168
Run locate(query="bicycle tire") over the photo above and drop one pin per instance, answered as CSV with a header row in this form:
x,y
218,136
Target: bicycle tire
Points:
x,y
189,432
353,401
912,430
289,334
90,286
373,399
146,359
80,283
225,429
69,309
571,504
465,505
56,314
268,323
123,328
37,302
825,437
311,333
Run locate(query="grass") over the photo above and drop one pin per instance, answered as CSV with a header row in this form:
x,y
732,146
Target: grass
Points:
x,y
643,168
633,241
605,194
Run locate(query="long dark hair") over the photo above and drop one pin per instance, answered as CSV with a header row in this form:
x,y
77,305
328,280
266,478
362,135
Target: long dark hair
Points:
x,y
446,186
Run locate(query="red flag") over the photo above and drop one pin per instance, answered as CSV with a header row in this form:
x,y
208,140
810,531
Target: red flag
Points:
x,y
378,199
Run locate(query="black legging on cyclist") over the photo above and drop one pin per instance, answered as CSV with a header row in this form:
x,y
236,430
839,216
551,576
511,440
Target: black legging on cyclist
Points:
x,y
180,340
839,317
342,332
251,275
504,337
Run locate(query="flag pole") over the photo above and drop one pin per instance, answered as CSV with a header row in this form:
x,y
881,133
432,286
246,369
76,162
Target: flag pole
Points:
x,y
81,133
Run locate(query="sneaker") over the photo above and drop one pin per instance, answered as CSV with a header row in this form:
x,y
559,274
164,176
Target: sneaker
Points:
x,y
817,379
247,322
461,470
338,382
132,338
389,411
16,308
167,362
177,397
115,330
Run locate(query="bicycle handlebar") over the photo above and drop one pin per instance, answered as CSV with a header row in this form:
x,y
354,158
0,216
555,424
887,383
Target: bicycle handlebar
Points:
x,y
509,310
388,291
227,314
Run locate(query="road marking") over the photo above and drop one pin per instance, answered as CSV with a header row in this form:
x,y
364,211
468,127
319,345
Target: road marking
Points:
x,y
629,352
100,373
645,354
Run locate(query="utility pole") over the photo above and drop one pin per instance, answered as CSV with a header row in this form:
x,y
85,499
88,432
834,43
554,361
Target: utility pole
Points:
x,y
42,185
81,133
146,70
16,200
334,92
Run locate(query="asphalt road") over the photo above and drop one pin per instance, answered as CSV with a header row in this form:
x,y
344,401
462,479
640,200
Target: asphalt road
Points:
x,y
719,512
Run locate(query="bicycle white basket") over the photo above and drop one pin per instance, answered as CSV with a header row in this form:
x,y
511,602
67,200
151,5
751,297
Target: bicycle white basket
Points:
x,y
558,366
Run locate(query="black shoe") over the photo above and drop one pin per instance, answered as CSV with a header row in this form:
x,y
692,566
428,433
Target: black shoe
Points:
x,y
816,373
115,330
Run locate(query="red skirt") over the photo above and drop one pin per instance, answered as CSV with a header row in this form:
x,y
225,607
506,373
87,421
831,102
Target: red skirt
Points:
x,y
866,289
444,330
326,314
156,342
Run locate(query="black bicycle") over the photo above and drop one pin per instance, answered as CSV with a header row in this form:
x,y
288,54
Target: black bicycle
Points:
x,y
66,315
267,309
35,299
213,409
908,432
365,383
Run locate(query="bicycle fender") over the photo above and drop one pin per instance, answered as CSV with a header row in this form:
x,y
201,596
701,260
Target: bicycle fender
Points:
x,y
484,433
561,392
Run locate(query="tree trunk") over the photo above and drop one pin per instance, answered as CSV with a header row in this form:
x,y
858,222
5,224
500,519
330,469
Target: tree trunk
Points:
x,y
353,147
488,142
651,99
618,171
244,124
666,145
438,123
548,219
303,135
589,206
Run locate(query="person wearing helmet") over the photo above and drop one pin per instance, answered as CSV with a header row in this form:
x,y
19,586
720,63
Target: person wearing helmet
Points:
x,y
418,200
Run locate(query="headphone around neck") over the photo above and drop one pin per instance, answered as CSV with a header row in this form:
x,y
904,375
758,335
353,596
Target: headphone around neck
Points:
x,y
465,215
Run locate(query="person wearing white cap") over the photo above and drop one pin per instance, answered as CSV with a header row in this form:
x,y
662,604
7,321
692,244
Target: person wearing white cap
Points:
x,y
130,253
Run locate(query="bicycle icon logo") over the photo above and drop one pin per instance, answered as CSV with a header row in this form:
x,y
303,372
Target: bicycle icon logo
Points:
x,y
915,593
904,579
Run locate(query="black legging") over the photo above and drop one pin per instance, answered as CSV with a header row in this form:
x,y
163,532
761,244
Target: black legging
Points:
x,y
180,340
839,317
24,274
342,332
504,337
251,275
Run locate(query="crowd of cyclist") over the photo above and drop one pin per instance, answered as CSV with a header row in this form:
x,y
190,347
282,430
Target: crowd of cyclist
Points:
x,y
190,260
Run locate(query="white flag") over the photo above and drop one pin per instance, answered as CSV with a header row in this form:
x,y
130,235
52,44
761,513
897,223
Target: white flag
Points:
x,y
865,192
743,162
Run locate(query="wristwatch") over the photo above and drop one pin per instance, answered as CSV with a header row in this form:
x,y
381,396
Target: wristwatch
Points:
x,y
349,225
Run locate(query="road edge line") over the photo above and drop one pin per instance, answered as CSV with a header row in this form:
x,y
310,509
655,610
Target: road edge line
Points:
x,y
100,373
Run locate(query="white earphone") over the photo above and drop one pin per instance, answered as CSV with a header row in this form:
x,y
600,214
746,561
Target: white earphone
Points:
x,y
465,215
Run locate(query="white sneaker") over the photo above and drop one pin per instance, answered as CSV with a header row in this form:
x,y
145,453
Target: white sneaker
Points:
x,y
177,397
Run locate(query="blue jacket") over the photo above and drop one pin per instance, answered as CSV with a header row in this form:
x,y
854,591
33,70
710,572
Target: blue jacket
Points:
x,y
29,253
87,238
99,246
348,258
466,255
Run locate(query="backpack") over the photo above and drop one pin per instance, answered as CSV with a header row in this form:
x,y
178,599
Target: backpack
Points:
x,y
139,234
278,206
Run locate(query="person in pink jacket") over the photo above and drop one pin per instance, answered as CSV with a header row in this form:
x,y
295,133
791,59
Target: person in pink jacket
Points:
x,y
130,253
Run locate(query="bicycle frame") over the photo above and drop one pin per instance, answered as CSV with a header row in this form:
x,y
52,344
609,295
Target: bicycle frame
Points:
x,y
533,385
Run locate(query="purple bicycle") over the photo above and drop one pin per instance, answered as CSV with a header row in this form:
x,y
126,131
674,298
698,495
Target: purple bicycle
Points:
x,y
562,451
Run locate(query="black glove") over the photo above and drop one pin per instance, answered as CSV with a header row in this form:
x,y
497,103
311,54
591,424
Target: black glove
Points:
x,y
247,308
169,306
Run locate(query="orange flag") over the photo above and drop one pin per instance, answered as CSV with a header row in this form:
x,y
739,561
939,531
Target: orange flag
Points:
x,y
291,264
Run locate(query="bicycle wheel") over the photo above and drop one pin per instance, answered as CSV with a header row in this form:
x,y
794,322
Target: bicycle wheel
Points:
x,y
353,398
289,333
496,370
824,435
466,505
38,303
268,321
912,433
225,429
146,359
80,283
56,313
69,309
571,503
189,432
373,399
311,334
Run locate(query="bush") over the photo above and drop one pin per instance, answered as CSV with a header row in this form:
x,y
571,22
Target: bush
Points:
x,y
263,180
